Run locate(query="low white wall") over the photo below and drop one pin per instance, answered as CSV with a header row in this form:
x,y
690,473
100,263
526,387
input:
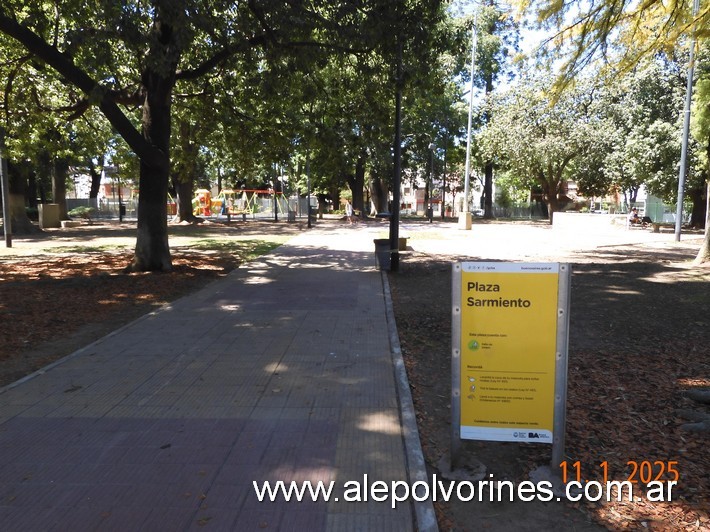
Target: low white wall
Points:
x,y
582,221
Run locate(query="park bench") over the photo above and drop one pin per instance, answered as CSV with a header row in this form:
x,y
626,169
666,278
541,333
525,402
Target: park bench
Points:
x,y
657,226
70,223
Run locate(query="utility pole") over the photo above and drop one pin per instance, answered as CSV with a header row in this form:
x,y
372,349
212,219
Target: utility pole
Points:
x,y
686,128
396,181
308,186
5,182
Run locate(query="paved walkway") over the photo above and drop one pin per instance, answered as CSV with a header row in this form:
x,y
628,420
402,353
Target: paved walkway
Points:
x,y
285,370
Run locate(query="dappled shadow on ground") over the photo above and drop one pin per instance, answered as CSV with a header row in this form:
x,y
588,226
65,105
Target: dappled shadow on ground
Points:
x,y
268,374
639,333
112,230
61,289
53,303
650,254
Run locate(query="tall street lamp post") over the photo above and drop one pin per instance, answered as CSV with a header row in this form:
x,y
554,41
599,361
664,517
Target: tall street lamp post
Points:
x,y
465,216
5,188
686,127
397,180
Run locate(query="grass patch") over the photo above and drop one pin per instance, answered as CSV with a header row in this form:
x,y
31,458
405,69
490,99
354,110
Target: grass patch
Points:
x,y
86,249
246,250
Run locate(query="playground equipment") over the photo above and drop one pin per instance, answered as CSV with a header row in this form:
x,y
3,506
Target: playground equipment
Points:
x,y
171,206
257,203
262,202
224,202
202,202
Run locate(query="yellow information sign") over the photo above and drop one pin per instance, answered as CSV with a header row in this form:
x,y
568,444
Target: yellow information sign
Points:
x,y
508,344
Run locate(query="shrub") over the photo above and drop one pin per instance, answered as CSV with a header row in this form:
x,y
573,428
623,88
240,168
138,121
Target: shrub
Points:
x,y
82,212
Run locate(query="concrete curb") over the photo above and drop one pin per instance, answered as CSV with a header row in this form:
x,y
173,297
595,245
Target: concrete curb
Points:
x,y
424,511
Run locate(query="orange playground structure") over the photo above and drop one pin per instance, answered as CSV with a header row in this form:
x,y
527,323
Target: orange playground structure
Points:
x,y
230,202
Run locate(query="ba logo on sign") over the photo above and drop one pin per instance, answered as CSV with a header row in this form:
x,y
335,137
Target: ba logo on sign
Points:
x,y
529,435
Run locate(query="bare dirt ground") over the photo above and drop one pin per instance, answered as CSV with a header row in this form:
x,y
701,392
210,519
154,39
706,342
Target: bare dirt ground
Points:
x,y
639,339
63,289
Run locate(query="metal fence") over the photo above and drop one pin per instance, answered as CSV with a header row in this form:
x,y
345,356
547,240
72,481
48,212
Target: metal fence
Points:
x,y
262,206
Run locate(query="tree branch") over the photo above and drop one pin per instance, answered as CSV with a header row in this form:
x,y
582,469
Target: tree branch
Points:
x,y
262,20
80,79
219,57
76,110
268,37
10,80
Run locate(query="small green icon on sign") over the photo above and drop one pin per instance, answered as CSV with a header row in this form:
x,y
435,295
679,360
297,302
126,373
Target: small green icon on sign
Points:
x,y
473,345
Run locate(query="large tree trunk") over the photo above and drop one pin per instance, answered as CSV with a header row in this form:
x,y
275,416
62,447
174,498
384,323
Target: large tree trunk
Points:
x,y
704,253
553,206
19,221
633,194
443,186
699,199
488,191
378,194
550,196
356,182
184,173
553,188
60,170
95,173
322,204
32,192
152,248
359,185
152,144
183,193
334,194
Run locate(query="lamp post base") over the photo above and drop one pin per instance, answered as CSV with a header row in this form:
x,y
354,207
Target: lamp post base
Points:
x,y
465,220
